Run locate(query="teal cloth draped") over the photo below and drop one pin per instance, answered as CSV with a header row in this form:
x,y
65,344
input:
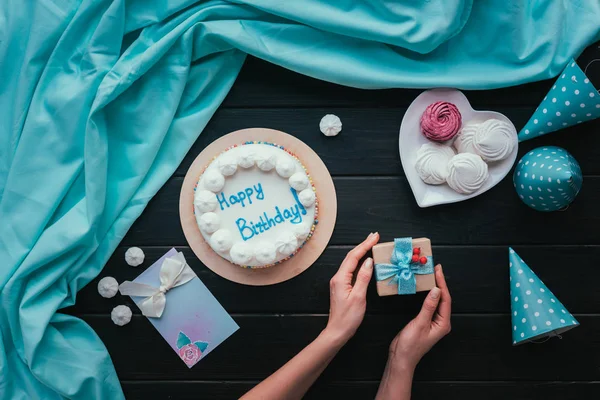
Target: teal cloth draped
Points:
x,y
100,100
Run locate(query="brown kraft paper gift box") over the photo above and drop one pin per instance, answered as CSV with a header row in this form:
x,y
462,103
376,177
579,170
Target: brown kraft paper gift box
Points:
x,y
381,255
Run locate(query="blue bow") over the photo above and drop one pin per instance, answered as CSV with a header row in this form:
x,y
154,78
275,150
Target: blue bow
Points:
x,y
402,269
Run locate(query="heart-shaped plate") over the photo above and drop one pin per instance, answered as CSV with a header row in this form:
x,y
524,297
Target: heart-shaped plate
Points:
x,y
411,140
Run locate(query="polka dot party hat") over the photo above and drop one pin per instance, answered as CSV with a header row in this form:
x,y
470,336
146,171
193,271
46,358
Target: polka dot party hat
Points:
x,y
536,313
547,178
572,100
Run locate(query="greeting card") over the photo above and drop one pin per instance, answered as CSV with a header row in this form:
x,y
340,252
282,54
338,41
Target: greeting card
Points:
x,y
180,307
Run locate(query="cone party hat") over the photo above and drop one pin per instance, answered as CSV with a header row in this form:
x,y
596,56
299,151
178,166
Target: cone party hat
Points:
x,y
536,312
572,100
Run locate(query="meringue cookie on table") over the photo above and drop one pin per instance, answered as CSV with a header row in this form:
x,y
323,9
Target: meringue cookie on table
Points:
x,y
466,173
108,287
495,140
432,162
464,140
121,315
330,125
134,256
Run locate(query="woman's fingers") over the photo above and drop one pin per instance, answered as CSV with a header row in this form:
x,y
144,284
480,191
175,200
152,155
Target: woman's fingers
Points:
x,y
445,307
363,278
353,257
429,306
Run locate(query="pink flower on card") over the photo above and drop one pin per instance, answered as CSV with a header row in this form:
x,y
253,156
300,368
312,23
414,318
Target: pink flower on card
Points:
x,y
190,354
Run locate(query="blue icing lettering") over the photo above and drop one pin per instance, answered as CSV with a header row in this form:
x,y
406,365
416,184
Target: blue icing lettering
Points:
x,y
222,201
243,228
295,194
260,195
267,221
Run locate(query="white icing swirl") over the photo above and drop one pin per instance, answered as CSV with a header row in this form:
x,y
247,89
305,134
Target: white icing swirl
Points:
x,y
307,197
205,201
246,157
241,253
286,243
227,164
213,180
464,140
495,140
285,167
302,230
209,222
221,240
265,253
330,125
265,160
432,162
299,181
467,173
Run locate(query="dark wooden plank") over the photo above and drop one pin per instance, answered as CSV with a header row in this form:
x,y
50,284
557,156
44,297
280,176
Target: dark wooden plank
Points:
x,y
479,348
386,204
262,84
368,144
366,390
472,272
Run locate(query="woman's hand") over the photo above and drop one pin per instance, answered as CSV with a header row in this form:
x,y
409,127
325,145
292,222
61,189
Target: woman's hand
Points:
x,y
348,303
420,334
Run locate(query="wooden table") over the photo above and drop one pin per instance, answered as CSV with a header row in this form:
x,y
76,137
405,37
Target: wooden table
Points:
x,y
476,360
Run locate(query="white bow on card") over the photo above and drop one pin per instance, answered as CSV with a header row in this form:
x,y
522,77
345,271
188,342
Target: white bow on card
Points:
x,y
173,272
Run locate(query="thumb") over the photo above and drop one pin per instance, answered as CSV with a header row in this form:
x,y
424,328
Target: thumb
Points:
x,y
429,306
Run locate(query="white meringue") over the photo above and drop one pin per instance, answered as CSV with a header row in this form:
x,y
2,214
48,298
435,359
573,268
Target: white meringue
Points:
x,y
227,164
134,256
299,181
286,243
495,140
108,287
330,125
307,197
221,240
266,161
285,167
121,315
432,162
265,253
467,173
213,180
302,230
246,157
464,140
241,253
209,222
205,201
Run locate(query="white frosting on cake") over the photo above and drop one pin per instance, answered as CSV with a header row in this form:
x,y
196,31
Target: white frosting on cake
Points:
x,y
265,160
432,162
467,173
299,181
495,140
205,201
209,222
464,140
213,180
264,212
228,164
246,157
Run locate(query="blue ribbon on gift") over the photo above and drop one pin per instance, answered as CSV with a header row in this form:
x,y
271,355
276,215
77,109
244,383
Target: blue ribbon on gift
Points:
x,y
402,270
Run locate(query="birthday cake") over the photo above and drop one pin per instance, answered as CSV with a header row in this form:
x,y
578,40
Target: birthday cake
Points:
x,y
255,204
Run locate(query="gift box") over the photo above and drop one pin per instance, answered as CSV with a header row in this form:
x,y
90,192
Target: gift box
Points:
x,y
404,266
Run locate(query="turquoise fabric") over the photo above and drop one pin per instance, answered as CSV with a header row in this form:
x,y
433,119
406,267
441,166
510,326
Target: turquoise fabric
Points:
x,y
401,268
101,99
536,312
573,99
547,178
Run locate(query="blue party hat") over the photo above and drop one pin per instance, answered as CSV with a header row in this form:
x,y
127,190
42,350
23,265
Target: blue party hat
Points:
x,y
536,313
547,178
572,100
